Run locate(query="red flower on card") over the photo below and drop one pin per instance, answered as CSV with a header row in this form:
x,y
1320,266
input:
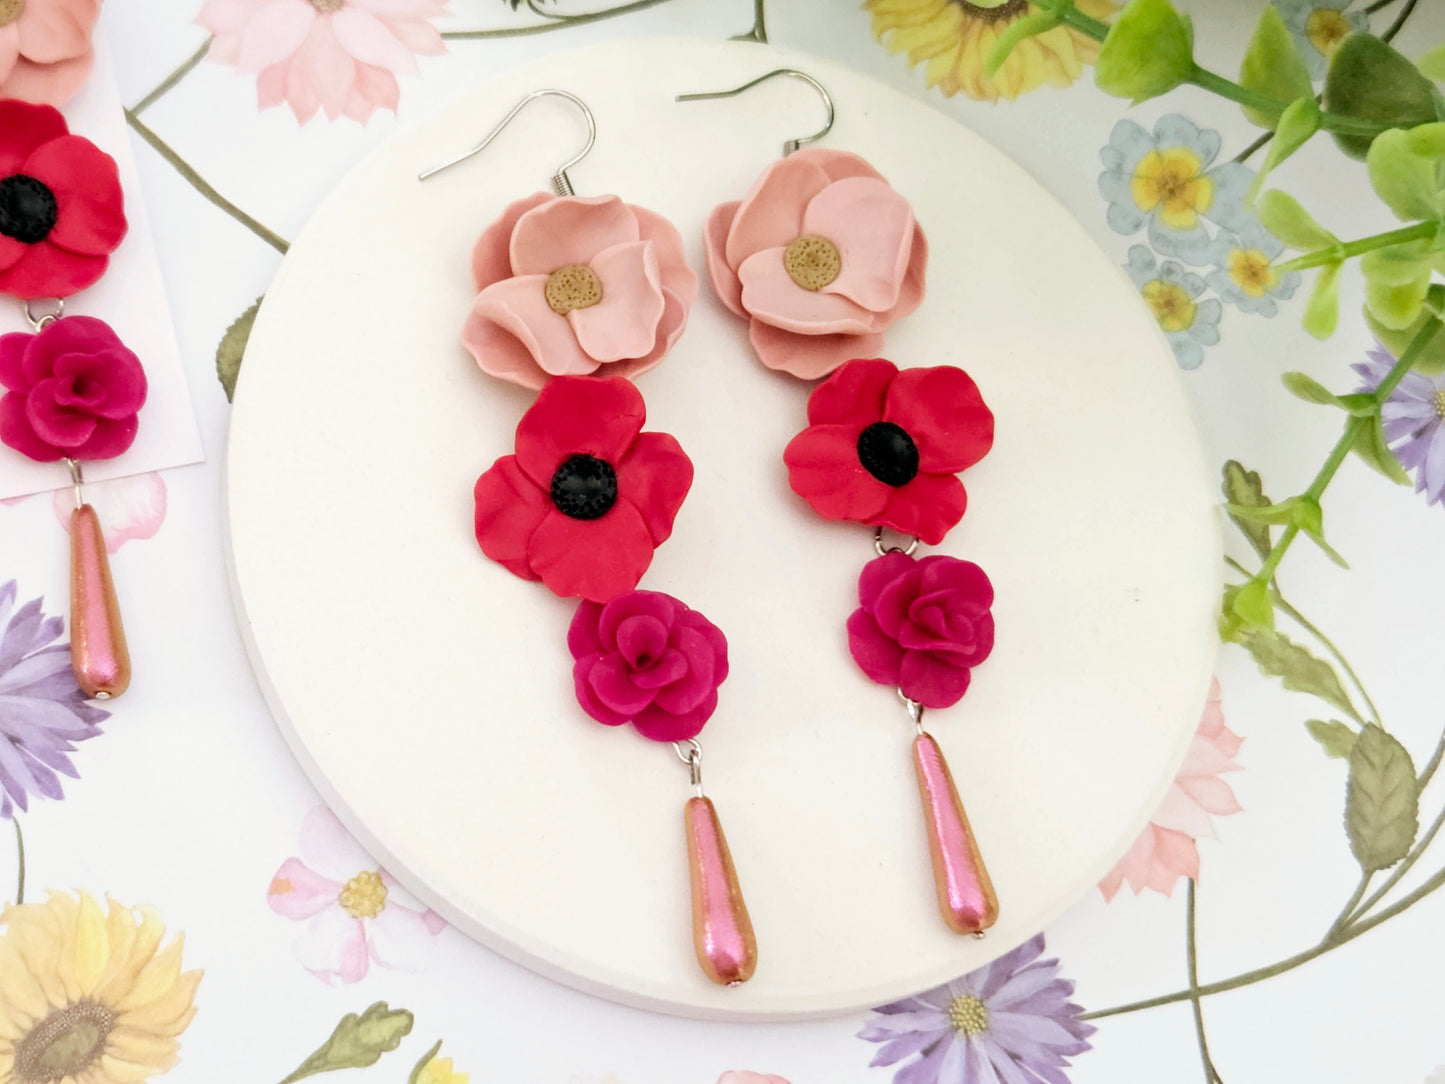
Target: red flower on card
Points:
x,y
883,447
61,209
588,496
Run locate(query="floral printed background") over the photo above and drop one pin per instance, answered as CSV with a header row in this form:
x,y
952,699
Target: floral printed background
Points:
x,y
187,896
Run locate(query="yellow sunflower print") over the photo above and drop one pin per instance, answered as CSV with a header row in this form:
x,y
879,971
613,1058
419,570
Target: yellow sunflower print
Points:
x,y
87,994
952,38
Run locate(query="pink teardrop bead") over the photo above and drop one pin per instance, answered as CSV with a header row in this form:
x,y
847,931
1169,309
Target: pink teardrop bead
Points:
x,y
965,894
98,652
722,931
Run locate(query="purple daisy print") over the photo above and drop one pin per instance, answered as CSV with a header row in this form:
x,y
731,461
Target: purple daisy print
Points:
x,y
42,710
1412,415
1010,1022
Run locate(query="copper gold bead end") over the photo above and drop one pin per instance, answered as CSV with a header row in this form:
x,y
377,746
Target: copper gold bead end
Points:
x,y
966,897
98,652
722,931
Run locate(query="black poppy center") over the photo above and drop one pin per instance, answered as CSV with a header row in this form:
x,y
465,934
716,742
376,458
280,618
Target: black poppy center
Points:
x,y
584,487
27,209
888,453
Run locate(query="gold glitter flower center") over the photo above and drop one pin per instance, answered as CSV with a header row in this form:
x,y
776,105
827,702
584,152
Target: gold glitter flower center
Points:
x,y
1440,404
995,12
364,896
326,7
1251,272
573,286
64,1044
10,10
812,261
1326,28
1171,306
968,1015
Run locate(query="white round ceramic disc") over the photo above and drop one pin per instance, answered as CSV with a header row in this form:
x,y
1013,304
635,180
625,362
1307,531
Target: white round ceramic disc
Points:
x,y
428,692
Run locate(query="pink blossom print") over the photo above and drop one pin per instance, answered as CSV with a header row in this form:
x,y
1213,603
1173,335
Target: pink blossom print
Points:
x,y
129,508
1166,850
339,57
355,913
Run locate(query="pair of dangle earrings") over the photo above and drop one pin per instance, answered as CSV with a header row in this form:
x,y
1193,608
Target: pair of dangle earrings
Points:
x,y
576,296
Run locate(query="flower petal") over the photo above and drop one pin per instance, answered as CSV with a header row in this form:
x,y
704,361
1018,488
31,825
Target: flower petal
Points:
x,y
518,306
299,892
570,229
333,948
400,937
492,256
371,41
872,227
943,412
275,31
26,127
931,680
597,559
854,396
823,469
669,329
714,242
329,849
53,84
48,270
877,654
928,507
50,32
587,696
577,415
16,431
624,323
510,507
808,357
655,476
677,274
660,725
611,680
771,295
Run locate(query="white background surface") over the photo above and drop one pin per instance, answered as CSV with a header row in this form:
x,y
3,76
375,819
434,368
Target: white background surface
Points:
x,y
191,800
351,423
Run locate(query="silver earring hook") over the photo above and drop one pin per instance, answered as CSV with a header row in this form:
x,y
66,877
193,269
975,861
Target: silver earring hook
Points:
x,y
561,183
793,144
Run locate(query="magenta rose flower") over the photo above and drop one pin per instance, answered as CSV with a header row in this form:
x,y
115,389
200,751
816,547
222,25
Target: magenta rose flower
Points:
x,y
72,391
573,285
646,659
820,257
922,625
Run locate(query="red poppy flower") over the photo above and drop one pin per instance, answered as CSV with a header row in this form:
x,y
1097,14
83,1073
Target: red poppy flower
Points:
x,y
883,447
61,209
588,495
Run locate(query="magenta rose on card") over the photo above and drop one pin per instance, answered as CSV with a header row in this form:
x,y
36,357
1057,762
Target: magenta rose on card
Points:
x,y
922,625
71,391
646,659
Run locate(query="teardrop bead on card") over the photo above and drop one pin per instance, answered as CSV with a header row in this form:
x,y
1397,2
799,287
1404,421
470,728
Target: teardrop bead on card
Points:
x,y
965,894
98,652
722,930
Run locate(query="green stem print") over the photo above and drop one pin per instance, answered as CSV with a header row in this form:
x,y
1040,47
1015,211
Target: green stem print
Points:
x,y
555,21
19,861
1191,950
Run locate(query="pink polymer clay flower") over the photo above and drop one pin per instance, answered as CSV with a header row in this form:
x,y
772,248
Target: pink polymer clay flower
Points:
x,y
1165,851
647,659
570,285
45,53
355,913
341,57
820,256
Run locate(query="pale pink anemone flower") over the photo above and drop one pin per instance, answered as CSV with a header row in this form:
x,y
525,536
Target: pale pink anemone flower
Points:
x,y
338,56
1166,850
45,53
355,913
820,256
573,285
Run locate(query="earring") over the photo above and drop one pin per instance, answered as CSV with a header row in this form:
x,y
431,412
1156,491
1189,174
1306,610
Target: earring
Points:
x,y
820,256
72,390
575,295
614,272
